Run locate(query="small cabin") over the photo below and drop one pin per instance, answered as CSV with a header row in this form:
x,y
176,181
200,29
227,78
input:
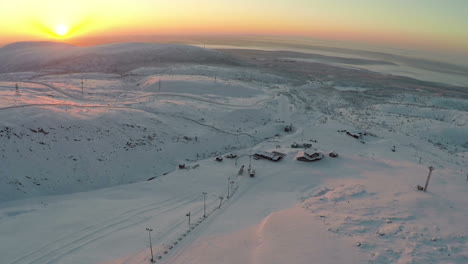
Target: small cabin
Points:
x,y
231,156
304,156
273,156
303,145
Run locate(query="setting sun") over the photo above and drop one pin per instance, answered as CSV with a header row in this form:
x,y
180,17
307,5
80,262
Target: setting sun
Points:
x,y
61,30
233,131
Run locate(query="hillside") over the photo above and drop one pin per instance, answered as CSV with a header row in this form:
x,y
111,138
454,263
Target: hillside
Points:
x,y
111,58
89,160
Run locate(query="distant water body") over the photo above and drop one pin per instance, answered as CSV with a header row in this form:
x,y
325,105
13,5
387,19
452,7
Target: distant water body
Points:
x,y
447,68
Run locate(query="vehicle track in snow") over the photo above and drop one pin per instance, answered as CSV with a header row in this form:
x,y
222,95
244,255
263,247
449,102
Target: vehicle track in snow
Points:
x,y
134,109
244,188
58,90
185,235
166,233
53,251
153,95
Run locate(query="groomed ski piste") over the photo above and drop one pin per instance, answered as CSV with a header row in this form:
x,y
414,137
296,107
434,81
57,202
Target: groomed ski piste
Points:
x,y
90,154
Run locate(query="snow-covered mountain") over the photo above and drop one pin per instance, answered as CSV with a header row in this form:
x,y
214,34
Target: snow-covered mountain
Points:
x,y
97,144
116,58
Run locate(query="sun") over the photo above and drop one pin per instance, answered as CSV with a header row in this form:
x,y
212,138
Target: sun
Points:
x,y
61,30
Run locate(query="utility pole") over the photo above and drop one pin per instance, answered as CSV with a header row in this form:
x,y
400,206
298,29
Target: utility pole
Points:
x,y
428,178
17,89
229,185
82,86
188,215
151,246
204,204
159,85
220,201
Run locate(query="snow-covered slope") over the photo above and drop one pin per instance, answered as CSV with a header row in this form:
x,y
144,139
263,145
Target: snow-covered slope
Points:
x,y
88,161
128,133
50,56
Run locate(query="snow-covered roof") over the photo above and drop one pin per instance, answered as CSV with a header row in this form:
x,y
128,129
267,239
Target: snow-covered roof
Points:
x,y
304,156
268,155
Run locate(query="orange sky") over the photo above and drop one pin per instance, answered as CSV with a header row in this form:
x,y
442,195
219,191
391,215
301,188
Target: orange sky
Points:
x,y
430,24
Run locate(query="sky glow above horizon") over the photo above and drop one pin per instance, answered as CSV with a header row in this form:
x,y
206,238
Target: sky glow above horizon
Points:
x,y
427,24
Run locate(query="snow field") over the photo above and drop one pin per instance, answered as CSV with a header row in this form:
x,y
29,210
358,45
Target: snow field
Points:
x,y
83,175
